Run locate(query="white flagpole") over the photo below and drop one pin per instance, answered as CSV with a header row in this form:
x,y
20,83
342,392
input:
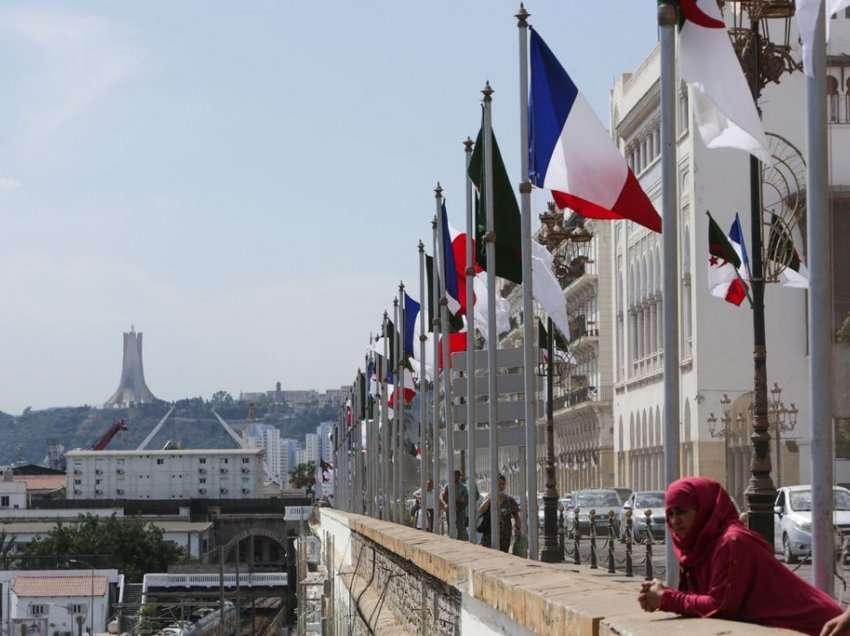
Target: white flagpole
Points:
x,y
492,394
471,451
435,413
667,20
423,385
446,374
529,357
820,314
394,435
385,428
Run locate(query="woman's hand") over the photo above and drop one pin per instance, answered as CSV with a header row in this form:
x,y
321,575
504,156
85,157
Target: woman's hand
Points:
x,y
650,595
838,625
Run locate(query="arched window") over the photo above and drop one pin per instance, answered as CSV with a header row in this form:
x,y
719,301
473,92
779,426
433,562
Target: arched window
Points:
x,y
686,422
632,440
832,98
651,441
644,432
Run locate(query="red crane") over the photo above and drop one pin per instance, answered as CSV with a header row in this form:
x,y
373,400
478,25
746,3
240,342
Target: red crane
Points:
x,y
103,442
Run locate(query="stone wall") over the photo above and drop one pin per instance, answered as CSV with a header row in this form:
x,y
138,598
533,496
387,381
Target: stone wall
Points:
x,y
389,579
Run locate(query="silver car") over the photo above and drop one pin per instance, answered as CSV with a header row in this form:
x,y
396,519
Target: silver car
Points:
x,y
639,502
602,501
793,521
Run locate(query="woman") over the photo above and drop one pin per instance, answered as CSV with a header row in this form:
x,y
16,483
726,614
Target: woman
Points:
x,y
728,571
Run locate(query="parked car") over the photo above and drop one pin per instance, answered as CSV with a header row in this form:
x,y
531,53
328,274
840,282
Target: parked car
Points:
x,y
623,494
602,501
793,520
638,503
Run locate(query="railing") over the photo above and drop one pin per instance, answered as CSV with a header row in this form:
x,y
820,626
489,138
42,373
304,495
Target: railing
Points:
x,y
274,579
578,548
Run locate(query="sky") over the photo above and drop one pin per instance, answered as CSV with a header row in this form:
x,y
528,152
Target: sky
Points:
x,y
245,182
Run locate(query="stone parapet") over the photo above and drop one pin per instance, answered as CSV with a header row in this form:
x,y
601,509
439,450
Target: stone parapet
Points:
x,y
437,585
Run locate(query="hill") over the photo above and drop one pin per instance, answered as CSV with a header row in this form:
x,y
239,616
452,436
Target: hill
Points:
x,y
192,424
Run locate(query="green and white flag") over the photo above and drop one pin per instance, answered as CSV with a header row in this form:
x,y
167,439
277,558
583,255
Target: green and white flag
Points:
x,y
780,248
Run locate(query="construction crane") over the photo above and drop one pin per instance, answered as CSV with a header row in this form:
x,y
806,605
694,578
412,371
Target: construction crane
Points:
x,y
103,442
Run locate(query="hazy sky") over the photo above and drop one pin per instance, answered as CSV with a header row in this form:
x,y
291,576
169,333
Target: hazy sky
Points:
x,y
247,181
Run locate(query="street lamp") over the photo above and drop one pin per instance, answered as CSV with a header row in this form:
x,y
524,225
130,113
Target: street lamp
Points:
x,y
783,420
763,61
724,431
553,235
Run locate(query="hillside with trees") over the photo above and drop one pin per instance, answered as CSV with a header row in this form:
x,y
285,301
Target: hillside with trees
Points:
x,y
192,425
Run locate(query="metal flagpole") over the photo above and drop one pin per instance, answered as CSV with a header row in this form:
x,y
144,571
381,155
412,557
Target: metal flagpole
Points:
x,y
667,20
423,386
366,463
446,374
385,430
399,406
471,424
394,489
435,412
355,444
492,395
820,314
529,354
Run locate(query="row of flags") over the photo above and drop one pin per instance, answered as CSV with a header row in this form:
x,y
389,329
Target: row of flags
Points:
x,y
571,154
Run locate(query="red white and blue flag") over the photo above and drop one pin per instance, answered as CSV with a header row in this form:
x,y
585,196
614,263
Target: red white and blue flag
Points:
x,y
571,153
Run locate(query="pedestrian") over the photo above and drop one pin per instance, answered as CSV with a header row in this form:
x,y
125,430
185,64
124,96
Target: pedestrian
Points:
x,y
426,508
461,497
508,510
728,571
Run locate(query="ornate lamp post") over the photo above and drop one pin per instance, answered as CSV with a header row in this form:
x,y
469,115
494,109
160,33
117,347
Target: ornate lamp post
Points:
x,y
553,236
724,432
783,420
763,61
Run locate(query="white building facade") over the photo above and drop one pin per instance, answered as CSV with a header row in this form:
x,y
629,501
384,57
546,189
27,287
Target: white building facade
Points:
x,y
716,340
266,437
164,474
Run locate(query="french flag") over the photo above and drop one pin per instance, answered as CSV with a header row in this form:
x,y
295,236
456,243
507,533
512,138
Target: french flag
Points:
x,y
571,153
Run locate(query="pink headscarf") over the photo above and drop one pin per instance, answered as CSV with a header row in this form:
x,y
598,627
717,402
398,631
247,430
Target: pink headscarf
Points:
x,y
715,513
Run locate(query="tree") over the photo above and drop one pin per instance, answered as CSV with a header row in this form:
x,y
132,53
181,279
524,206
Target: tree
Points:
x,y
7,543
132,545
221,397
304,476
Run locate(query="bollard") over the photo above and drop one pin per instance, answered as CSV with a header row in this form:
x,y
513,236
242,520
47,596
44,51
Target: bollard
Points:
x,y
561,543
648,514
629,571
612,538
593,562
576,537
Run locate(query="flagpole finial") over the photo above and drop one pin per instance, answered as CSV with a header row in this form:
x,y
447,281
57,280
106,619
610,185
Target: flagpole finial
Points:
x,y
395,302
401,286
434,223
438,191
522,16
487,91
421,246
468,144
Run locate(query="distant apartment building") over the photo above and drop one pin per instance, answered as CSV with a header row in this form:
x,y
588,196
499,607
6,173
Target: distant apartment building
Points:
x,y
312,447
288,449
323,431
266,437
164,474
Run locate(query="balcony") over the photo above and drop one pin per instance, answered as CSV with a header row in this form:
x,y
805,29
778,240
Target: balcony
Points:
x,y
584,335
581,395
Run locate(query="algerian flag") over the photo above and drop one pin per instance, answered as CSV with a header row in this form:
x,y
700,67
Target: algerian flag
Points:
x,y
807,16
780,249
723,264
545,287
724,109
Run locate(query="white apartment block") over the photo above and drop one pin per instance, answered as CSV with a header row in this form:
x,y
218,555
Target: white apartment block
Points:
x,y
323,431
311,448
266,437
715,337
164,474
288,448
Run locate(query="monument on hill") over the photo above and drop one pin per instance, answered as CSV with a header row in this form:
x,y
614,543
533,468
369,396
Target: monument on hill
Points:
x,y
131,388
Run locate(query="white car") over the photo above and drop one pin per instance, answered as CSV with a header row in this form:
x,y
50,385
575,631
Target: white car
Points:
x,y
793,520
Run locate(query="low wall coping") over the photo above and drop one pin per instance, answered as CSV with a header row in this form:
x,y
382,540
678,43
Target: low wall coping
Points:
x,y
544,598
